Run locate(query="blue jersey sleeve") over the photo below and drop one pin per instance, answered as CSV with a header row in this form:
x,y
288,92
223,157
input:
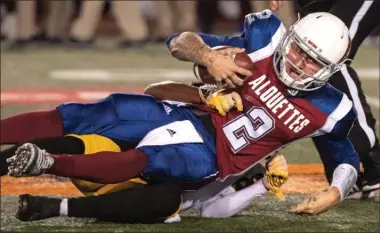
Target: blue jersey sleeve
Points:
x,y
261,30
343,127
336,151
340,111
334,145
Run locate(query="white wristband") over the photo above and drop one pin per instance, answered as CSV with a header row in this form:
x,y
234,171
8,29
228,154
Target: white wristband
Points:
x,y
344,178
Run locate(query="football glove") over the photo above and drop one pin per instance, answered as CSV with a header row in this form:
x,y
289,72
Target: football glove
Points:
x,y
220,100
276,174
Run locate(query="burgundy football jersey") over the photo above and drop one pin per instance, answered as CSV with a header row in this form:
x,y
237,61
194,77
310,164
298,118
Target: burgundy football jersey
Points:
x,y
272,118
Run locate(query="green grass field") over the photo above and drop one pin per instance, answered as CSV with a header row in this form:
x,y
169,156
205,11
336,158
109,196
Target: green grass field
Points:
x,y
33,70
266,214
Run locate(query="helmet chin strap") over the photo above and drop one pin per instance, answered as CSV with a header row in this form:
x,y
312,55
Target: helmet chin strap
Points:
x,y
338,66
298,19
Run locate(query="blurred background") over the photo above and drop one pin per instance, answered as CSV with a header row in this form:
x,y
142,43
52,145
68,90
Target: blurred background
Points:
x,y
78,50
81,23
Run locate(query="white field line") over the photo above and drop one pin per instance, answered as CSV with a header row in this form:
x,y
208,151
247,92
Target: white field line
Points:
x,y
368,73
130,75
373,101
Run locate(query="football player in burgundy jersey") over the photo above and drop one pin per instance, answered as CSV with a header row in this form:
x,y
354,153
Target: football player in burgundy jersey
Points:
x,y
285,98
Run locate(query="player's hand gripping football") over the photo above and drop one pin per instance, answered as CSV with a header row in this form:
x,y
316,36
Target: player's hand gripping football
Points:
x,y
319,202
220,100
220,65
276,174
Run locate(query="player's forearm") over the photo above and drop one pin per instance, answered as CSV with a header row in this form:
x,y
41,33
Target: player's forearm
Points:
x,y
232,203
188,46
169,90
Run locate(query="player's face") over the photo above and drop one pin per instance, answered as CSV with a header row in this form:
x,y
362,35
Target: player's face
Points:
x,y
303,61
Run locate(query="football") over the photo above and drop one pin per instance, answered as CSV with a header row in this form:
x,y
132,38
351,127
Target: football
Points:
x,y
241,59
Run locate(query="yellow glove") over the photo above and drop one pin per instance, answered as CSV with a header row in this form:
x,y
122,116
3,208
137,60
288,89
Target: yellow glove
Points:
x,y
220,100
276,174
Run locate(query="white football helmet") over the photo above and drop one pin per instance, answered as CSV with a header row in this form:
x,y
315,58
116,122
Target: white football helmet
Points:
x,y
325,38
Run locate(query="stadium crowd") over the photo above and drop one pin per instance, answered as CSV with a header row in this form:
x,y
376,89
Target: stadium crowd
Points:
x,y
78,23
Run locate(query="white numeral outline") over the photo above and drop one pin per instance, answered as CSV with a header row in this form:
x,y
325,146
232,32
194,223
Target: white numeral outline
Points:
x,y
251,131
265,14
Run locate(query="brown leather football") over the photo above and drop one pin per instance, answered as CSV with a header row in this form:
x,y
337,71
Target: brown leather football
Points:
x,y
241,59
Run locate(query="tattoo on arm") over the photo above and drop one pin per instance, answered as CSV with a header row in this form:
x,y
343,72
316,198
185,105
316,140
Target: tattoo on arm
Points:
x,y
189,46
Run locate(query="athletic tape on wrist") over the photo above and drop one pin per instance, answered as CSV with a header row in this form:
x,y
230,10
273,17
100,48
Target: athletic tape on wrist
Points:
x,y
344,178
